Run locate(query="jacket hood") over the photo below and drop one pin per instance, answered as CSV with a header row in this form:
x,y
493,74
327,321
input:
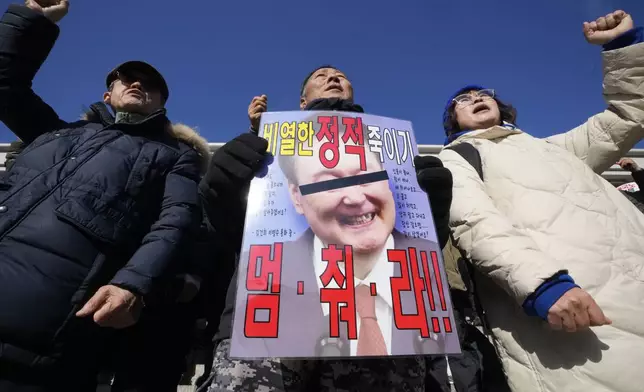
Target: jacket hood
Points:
x,y
191,137
99,113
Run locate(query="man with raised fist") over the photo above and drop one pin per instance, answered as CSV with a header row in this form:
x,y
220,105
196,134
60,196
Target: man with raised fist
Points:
x,y
95,215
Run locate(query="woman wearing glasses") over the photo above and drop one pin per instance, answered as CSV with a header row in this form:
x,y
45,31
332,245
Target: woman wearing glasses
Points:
x,y
557,250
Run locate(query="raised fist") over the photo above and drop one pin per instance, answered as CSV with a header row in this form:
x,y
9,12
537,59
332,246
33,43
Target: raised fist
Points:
x,y
54,10
257,106
607,28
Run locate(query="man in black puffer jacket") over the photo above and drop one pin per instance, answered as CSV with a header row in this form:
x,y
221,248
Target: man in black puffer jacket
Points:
x,y
95,213
326,88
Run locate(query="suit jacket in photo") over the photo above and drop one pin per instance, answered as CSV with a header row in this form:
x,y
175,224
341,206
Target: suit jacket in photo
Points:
x,y
303,327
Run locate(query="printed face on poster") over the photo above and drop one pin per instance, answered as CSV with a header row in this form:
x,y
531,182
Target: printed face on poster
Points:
x,y
340,257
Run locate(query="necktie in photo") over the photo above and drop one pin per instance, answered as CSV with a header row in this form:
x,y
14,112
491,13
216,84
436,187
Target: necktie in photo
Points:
x,y
370,339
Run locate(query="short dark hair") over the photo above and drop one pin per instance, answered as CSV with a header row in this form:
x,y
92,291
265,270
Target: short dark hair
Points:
x,y
287,162
450,124
306,80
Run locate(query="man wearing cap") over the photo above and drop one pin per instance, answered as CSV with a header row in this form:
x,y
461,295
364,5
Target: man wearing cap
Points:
x,y
95,213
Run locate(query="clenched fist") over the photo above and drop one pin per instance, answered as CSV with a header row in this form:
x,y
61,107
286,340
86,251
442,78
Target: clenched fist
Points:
x,y
607,28
576,310
54,10
257,106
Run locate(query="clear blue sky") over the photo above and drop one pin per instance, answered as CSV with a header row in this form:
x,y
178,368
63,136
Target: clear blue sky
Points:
x,y
404,57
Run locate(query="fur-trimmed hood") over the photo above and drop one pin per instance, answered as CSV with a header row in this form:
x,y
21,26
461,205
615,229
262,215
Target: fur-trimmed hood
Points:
x,y
98,112
191,137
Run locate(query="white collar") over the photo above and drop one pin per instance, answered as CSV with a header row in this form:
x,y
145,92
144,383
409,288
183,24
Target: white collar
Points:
x,y
381,273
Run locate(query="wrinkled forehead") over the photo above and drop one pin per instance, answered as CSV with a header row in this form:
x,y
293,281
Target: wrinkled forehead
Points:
x,y
322,71
326,71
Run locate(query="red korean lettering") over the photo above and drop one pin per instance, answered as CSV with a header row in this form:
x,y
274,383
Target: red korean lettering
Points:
x,y
439,281
353,131
447,323
413,321
329,131
261,267
257,278
254,328
341,300
332,255
428,281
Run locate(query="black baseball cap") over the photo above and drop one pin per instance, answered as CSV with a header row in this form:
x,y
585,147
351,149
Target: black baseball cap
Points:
x,y
155,80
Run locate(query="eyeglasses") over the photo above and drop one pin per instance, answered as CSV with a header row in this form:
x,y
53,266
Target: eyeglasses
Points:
x,y
470,98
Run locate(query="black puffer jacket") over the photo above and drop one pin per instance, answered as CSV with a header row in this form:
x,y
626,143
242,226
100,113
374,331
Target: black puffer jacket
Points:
x,y
89,203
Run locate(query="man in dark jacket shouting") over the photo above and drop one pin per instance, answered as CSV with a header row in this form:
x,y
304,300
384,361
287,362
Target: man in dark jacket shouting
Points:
x,y
95,213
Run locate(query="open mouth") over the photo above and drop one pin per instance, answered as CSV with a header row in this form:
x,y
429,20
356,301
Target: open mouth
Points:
x,y
481,108
334,87
136,92
357,220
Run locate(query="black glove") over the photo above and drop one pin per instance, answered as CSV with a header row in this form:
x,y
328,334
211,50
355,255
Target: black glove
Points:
x,y
436,180
225,185
235,163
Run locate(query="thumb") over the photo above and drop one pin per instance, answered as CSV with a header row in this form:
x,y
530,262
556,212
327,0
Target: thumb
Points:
x,y
94,303
597,317
33,5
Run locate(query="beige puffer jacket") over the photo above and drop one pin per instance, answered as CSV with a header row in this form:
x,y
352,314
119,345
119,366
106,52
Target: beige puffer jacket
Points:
x,y
542,208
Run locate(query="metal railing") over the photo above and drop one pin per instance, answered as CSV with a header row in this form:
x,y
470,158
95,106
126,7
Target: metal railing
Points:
x,y
615,174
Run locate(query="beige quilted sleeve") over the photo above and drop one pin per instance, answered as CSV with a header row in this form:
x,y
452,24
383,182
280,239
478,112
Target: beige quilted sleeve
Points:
x,y
606,137
512,259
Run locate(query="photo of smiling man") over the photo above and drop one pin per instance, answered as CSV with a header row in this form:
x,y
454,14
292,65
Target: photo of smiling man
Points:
x,y
351,204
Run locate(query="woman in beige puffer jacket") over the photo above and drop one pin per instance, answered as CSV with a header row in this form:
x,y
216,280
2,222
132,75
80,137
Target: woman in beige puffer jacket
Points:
x,y
559,251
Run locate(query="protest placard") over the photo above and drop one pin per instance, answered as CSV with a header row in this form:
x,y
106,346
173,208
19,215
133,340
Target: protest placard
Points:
x,y
340,256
